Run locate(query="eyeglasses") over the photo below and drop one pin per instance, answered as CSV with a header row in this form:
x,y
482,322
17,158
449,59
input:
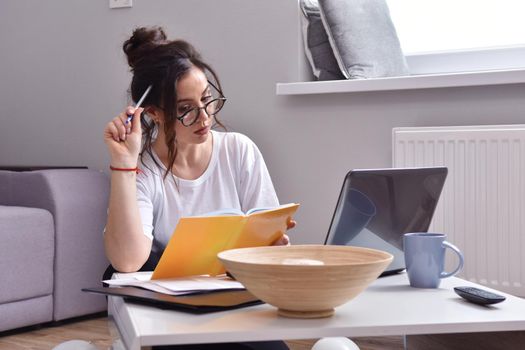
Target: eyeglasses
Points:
x,y
211,108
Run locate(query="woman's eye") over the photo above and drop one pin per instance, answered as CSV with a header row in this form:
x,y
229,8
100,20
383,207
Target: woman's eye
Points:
x,y
207,98
184,109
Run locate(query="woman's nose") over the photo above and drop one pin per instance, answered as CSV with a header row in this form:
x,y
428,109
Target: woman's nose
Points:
x,y
203,112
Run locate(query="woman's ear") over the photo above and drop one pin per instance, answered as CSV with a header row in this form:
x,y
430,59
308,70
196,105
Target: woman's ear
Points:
x,y
154,113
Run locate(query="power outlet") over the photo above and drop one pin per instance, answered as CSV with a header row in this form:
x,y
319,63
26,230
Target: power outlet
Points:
x,y
115,4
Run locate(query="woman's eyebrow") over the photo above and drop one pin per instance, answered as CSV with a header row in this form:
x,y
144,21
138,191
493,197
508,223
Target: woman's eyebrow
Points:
x,y
189,99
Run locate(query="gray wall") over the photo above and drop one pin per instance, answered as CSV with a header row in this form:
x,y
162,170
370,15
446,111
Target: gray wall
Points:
x,y
63,77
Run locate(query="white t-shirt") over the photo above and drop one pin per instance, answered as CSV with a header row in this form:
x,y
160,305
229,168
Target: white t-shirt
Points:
x,y
236,177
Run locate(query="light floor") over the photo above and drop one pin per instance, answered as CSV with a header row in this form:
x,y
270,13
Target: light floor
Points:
x,y
96,330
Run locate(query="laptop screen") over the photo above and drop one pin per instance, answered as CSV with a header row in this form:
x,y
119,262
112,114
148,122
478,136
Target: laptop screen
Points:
x,y
377,206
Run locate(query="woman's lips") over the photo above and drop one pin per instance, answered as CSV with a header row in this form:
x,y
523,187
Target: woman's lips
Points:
x,y
203,131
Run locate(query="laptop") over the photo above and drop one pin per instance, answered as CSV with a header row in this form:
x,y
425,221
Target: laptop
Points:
x,y
377,206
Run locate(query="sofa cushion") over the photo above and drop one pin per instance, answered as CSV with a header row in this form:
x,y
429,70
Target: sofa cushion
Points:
x,y
26,253
26,312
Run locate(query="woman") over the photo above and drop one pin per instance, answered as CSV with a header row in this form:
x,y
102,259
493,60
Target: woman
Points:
x,y
167,162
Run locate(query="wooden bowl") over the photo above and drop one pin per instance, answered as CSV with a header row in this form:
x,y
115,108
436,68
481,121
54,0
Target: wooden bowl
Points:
x,y
305,281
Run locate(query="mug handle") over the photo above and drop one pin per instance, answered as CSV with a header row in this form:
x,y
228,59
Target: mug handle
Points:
x,y
460,256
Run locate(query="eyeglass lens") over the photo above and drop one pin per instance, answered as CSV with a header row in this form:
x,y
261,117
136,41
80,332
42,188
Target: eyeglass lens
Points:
x,y
211,108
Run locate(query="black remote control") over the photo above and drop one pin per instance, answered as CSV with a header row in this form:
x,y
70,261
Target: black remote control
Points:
x,y
478,296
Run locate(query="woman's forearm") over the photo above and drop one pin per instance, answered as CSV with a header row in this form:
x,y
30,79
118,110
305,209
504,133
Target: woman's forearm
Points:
x,y
127,248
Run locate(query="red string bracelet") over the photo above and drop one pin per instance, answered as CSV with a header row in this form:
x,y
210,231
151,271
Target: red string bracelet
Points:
x,y
136,169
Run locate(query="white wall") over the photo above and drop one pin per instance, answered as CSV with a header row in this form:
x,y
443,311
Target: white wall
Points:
x,y
63,77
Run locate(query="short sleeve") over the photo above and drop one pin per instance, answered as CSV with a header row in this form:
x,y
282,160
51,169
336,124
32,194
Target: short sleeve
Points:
x,y
145,204
256,188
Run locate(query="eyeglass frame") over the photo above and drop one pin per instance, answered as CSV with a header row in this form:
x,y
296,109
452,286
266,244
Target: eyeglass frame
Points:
x,y
180,118
221,98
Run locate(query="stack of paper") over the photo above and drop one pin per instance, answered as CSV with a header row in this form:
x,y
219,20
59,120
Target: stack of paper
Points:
x,y
175,286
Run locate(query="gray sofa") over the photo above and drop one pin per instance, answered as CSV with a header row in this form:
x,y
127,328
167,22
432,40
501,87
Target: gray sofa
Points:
x,y
51,246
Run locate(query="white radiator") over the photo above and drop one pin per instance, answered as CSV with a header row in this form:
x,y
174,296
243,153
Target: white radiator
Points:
x,y
482,206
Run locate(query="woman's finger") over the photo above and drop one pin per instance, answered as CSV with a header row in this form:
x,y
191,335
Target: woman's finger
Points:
x,y
135,122
121,129
112,131
130,110
283,240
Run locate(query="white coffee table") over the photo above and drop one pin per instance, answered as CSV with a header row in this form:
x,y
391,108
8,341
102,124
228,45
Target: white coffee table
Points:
x,y
388,307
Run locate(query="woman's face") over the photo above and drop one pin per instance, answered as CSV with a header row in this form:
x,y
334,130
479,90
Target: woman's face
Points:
x,y
193,91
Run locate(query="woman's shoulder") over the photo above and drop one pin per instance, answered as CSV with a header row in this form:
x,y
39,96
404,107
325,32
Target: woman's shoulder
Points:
x,y
238,147
230,138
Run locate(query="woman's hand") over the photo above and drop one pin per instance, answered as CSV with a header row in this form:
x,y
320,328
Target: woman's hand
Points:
x,y
124,139
291,224
285,240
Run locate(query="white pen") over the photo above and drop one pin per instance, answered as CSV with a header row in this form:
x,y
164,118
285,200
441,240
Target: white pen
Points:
x,y
144,95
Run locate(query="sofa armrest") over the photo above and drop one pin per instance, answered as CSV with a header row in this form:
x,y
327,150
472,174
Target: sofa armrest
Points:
x,y
78,201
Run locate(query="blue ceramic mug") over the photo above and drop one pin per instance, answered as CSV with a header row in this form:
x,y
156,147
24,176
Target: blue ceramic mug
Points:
x,y
425,258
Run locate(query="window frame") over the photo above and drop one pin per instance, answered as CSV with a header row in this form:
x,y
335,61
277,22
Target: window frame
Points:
x,y
507,58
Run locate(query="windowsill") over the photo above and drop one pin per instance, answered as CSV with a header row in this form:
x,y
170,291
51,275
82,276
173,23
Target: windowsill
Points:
x,y
480,78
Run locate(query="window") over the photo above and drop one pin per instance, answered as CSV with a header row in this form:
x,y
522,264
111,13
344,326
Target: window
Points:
x,y
460,35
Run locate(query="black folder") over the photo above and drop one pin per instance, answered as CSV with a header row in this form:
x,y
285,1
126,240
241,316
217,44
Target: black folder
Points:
x,y
192,303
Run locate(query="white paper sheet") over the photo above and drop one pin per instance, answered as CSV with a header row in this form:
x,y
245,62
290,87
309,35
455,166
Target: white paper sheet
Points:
x,y
174,286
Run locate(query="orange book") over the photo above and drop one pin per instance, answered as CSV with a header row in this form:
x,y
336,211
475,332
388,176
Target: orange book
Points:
x,y
196,241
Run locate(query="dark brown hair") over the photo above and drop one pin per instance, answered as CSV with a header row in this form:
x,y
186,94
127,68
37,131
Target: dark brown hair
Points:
x,y
159,62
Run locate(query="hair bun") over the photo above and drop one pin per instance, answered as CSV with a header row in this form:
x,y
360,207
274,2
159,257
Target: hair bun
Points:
x,y
142,41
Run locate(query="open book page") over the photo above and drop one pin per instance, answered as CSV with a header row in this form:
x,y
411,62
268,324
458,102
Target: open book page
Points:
x,y
283,206
225,212
175,286
265,227
234,211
